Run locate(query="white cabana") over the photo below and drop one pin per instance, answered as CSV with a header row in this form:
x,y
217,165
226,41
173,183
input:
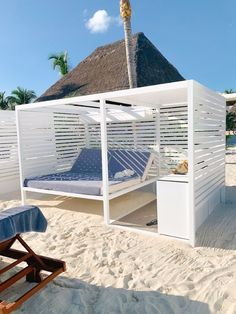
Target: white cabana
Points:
x,y
142,135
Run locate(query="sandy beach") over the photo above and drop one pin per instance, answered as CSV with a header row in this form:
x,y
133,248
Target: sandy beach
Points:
x,y
115,271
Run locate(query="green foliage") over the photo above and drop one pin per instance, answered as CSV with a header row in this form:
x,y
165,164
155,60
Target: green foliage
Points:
x,y
229,136
4,101
229,91
60,62
230,121
20,96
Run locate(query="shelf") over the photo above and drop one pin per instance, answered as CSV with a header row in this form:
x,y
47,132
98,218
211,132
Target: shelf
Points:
x,y
174,178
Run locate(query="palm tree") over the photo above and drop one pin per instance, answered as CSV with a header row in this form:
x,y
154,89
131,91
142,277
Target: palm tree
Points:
x,y
60,61
20,96
4,101
126,12
229,91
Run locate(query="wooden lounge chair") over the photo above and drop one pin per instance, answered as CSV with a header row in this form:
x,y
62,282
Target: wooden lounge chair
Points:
x,y
13,222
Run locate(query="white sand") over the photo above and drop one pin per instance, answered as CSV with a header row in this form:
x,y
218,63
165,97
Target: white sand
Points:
x,y
114,271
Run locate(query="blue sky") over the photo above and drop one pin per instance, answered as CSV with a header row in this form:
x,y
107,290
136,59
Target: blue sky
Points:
x,y
198,37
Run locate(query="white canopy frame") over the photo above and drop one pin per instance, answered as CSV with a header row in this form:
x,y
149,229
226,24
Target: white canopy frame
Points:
x,y
189,123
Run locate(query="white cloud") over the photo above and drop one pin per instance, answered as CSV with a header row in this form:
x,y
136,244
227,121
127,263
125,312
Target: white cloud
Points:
x,y
101,21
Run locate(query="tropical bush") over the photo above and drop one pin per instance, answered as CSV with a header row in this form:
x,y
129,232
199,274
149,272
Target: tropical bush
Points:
x,y
19,96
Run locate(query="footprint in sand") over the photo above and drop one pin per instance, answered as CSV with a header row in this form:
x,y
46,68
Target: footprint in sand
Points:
x,y
116,254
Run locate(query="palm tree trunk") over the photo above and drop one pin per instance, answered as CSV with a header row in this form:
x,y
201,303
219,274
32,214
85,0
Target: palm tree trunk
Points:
x,y
130,54
126,12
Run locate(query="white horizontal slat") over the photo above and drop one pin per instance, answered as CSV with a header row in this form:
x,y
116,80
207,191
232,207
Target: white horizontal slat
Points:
x,y
210,141
173,136
203,154
211,187
9,168
211,103
206,181
70,136
203,173
210,165
207,107
209,150
8,139
209,144
205,134
209,115
176,113
173,108
205,146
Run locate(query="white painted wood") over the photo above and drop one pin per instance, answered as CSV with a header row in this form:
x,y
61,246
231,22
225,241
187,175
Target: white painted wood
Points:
x,y
132,188
174,178
9,164
60,193
178,87
179,121
191,161
173,136
209,151
20,155
104,147
172,207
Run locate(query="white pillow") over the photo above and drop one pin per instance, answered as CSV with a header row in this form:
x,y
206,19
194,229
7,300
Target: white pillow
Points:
x,y
124,173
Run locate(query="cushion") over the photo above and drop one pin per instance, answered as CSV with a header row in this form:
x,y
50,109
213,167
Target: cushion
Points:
x,y
21,219
88,161
122,159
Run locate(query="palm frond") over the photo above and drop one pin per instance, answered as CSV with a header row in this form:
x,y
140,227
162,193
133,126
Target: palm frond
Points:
x,y
4,102
60,62
21,96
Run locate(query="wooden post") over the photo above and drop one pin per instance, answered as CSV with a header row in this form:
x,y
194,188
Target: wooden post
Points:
x,y
105,180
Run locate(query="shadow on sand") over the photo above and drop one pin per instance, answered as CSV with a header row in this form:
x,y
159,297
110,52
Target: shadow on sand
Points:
x,y
219,230
73,296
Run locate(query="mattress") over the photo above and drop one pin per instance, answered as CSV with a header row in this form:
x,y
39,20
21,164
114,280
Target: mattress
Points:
x,y
85,176
79,183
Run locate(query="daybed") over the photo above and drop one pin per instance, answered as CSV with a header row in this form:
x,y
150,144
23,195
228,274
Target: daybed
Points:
x,y
125,168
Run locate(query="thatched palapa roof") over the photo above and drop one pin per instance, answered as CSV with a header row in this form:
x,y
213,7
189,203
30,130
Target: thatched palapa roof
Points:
x,y
106,70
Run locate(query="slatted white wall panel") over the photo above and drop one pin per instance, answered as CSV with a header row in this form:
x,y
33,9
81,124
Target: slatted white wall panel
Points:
x,y
173,120
93,135
138,134
9,168
209,151
37,143
70,137
53,138
135,135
